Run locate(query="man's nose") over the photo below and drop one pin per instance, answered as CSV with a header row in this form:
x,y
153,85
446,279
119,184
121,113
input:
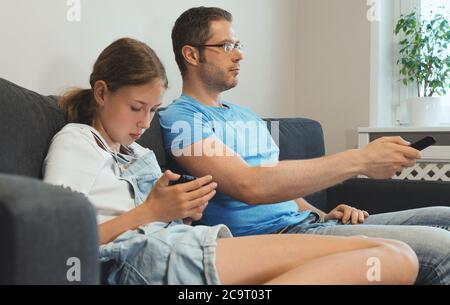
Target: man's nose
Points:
x,y
238,55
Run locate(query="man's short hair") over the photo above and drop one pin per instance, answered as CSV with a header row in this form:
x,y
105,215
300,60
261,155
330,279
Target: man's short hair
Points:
x,y
192,28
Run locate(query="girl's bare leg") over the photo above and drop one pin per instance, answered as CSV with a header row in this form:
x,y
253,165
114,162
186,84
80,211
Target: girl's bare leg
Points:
x,y
312,259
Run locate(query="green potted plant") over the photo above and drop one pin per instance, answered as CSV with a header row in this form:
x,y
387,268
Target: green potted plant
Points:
x,y
425,62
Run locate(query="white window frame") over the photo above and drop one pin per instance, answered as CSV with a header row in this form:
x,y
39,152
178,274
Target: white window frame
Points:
x,y
447,96
387,93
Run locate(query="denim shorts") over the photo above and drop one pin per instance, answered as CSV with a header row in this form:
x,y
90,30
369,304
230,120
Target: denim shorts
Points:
x,y
164,254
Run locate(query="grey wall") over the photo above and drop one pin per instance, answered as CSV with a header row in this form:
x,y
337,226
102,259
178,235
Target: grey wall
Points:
x,y
333,68
305,58
41,50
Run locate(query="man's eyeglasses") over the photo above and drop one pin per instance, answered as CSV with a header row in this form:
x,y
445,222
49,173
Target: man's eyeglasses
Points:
x,y
228,47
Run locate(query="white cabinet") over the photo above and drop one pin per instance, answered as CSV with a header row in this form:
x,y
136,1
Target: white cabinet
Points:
x,y
435,162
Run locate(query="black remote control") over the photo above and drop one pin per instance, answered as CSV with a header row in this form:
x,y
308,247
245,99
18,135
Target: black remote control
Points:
x,y
183,179
424,143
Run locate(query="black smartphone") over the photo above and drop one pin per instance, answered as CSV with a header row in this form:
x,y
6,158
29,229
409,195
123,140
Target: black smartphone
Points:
x,y
183,179
424,143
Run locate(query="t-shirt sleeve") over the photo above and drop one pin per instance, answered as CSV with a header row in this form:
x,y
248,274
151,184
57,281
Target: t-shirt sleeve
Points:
x,y
183,126
72,161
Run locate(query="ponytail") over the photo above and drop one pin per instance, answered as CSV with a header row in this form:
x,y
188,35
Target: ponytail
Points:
x,y
78,106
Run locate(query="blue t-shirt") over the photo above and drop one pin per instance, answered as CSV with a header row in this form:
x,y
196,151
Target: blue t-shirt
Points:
x,y
187,121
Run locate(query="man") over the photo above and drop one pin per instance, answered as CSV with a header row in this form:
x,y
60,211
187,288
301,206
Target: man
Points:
x,y
256,193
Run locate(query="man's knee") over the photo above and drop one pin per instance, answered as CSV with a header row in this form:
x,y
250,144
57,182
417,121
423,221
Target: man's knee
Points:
x,y
429,241
433,213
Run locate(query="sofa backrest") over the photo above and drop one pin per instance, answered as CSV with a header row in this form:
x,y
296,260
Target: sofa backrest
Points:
x,y
300,138
28,122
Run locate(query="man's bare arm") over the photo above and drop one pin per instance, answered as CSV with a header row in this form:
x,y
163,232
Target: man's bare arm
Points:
x,y
289,180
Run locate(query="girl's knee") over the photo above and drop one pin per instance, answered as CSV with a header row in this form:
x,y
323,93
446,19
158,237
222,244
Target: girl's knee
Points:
x,y
404,259
398,262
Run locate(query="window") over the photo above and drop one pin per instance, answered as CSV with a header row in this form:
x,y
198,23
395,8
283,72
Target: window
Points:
x,y
436,6
387,93
441,6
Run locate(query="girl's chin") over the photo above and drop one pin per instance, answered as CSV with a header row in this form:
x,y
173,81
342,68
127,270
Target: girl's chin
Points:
x,y
129,140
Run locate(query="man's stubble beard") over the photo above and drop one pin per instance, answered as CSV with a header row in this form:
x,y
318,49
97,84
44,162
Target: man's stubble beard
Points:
x,y
215,80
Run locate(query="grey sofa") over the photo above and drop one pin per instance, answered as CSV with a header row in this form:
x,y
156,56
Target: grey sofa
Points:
x,y
43,226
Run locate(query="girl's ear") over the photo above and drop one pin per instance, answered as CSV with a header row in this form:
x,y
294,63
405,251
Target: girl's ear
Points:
x,y
100,92
191,55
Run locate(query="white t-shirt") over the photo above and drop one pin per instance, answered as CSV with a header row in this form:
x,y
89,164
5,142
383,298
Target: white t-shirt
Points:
x,y
75,160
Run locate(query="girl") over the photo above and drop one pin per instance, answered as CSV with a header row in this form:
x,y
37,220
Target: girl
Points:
x,y
141,217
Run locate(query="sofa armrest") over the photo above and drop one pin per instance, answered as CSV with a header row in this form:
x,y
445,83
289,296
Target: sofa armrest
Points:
x,y
41,227
381,196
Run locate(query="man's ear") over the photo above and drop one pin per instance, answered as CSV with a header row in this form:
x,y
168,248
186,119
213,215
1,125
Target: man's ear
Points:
x,y
100,91
191,55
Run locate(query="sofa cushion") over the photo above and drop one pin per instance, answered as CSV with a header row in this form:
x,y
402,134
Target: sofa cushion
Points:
x,y
28,122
